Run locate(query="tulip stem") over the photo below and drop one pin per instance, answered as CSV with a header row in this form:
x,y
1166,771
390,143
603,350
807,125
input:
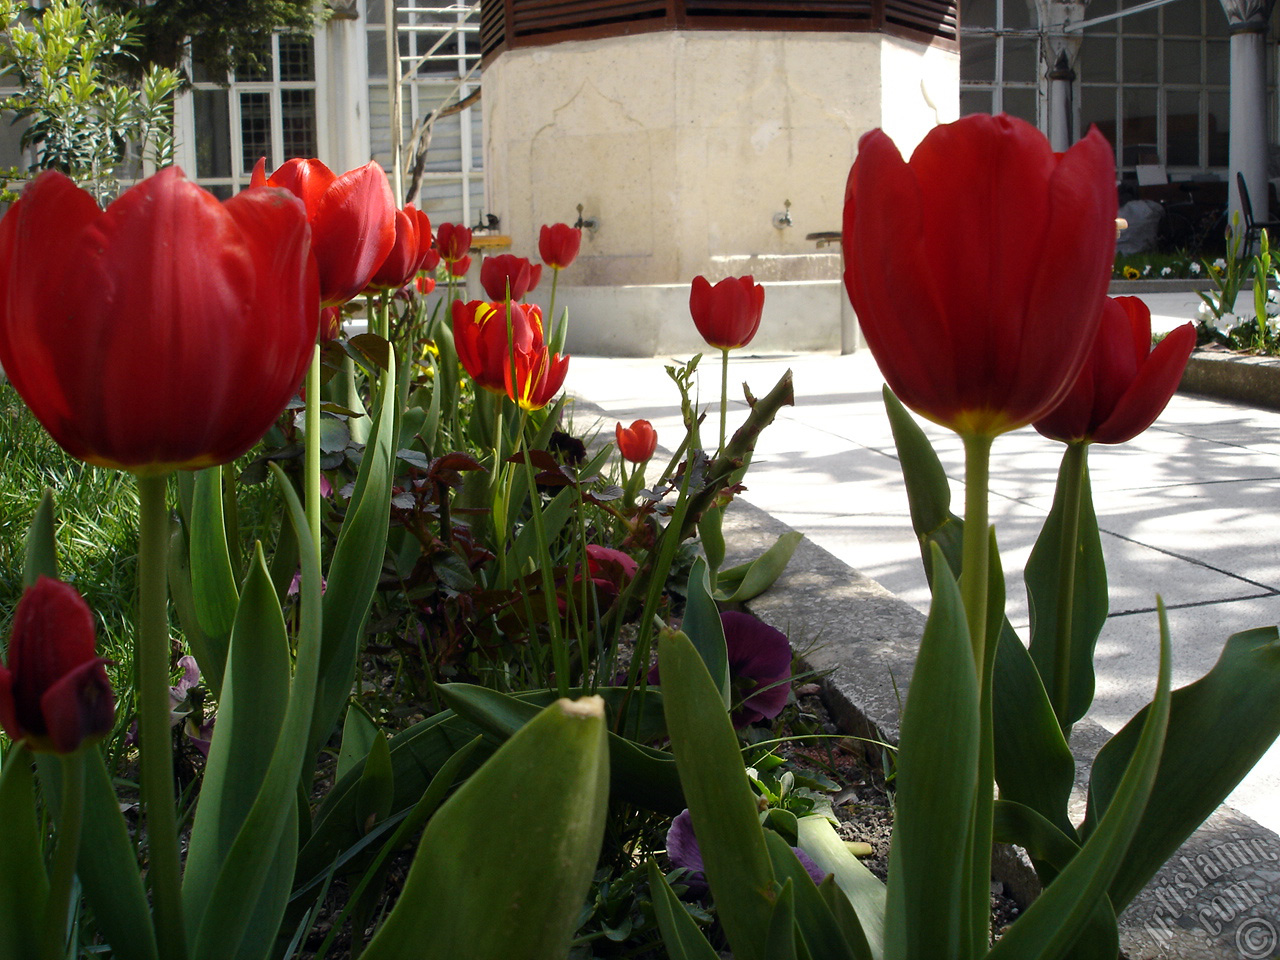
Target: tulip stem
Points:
x,y
151,660
1076,461
724,395
70,818
311,446
974,585
559,646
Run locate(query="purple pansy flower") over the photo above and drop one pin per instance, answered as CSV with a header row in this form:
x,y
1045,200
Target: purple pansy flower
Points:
x,y
683,851
759,667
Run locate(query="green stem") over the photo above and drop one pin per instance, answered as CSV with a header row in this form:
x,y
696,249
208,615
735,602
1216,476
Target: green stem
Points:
x,y
974,586
1076,459
551,312
54,929
724,395
311,470
151,660
559,646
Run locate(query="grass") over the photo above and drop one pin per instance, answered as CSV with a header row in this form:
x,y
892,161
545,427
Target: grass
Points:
x,y
97,528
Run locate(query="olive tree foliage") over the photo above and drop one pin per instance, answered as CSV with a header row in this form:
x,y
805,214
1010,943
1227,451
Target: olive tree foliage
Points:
x,y
86,116
223,35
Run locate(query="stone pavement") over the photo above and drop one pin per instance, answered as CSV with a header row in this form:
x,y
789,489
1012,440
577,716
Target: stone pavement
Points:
x,y
1188,510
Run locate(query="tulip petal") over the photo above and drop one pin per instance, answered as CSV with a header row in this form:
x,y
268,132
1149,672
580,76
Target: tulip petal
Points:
x,y
308,180
8,713
353,230
79,707
1151,389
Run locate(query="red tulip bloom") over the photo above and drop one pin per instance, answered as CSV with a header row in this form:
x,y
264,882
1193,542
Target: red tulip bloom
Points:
x,y
728,314
54,693
430,260
558,245
1124,383
426,285
538,374
637,442
453,241
459,267
480,336
406,256
978,269
330,324
352,219
508,275
166,332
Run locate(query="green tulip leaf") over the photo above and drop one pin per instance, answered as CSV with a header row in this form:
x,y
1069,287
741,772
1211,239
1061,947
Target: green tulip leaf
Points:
x,y
928,890
258,866
356,567
488,881
1065,910
107,866
525,546
1219,726
178,568
721,802
24,887
213,584
860,893
680,934
702,625
780,936
748,580
816,924
1090,601
711,533
40,557
358,733
376,790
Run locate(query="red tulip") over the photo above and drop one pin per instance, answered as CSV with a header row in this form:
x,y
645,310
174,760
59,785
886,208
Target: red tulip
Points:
x,y
538,374
1124,383
352,219
558,245
54,693
453,241
424,236
637,442
426,285
978,269
167,331
459,267
430,260
405,258
480,335
728,314
330,324
508,275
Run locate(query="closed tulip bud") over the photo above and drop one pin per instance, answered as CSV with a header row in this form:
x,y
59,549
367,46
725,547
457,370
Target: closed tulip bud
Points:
x,y
1124,384
165,332
637,442
54,692
558,245
509,276
352,219
728,314
453,241
402,263
459,267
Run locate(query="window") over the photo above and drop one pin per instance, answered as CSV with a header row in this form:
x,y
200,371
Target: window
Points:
x,y
269,113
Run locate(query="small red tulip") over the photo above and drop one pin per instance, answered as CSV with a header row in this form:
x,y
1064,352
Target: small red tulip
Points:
x,y
480,336
54,693
165,332
978,269
430,260
728,314
426,284
637,442
508,275
453,241
459,267
538,374
402,263
1124,384
352,219
558,245
330,324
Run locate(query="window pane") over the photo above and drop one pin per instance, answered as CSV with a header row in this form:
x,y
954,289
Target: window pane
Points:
x,y
1020,103
977,59
1140,61
1217,129
1098,108
1144,22
975,101
1182,18
377,53
1217,58
298,122
978,13
262,73
297,59
1097,62
1139,130
1021,60
1182,61
213,133
1182,128
255,131
1018,15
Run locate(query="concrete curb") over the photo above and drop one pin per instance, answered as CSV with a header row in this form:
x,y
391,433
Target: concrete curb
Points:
x,y
1218,898
1223,375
